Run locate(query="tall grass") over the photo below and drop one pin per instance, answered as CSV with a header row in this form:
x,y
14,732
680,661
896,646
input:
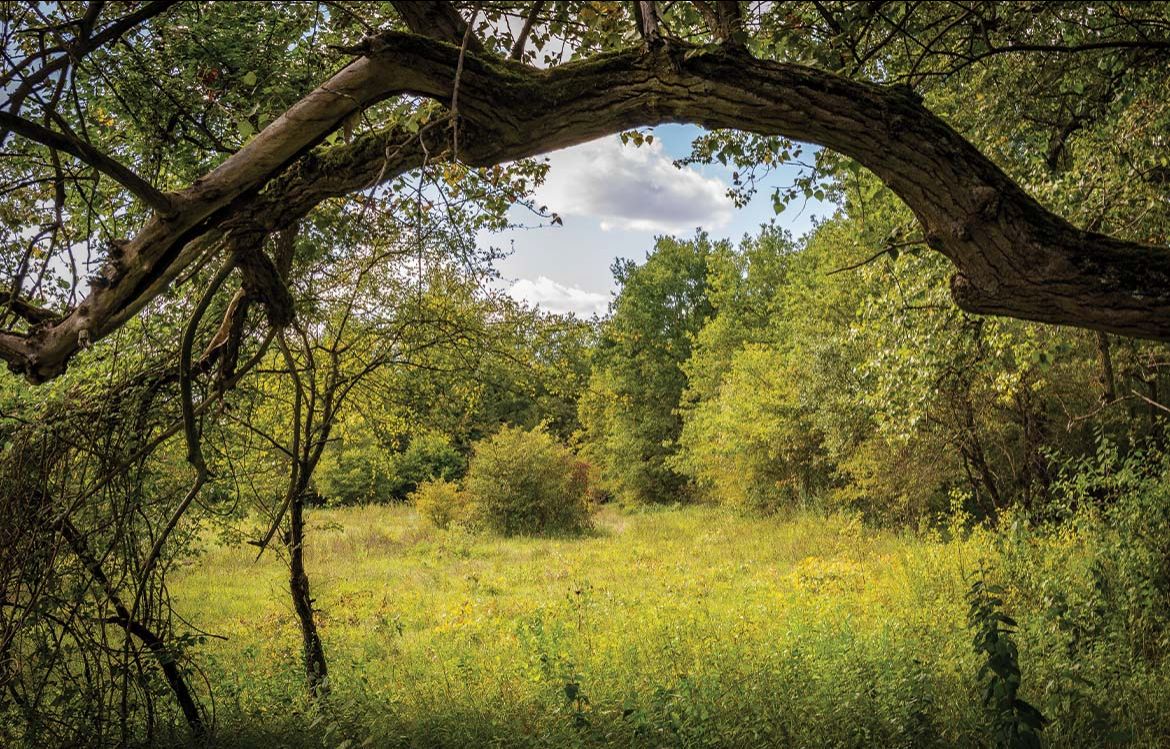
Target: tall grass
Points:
x,y
684,627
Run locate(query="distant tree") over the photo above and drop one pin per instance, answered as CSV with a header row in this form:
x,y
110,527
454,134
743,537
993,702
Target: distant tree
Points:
x,y
837,370
747,438
629,414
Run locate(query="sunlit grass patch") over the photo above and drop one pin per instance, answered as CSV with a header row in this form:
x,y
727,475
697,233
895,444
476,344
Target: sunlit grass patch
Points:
x,y
691,626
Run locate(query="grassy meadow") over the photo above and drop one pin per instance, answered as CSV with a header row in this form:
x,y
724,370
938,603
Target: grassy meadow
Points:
x,y
676,627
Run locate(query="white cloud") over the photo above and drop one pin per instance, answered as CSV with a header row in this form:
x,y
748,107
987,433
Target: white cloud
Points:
x,y
629,187
556,297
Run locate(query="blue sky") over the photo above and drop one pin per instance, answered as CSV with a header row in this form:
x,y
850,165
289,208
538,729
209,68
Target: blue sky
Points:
x,y
614,200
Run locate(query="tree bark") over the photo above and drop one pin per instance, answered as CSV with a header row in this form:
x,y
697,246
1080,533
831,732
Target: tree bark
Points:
x,y
1013,257
316,670
1106,377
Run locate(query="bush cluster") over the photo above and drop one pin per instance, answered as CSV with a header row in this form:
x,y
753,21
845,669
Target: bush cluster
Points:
x,y
363,471
518,482
442,503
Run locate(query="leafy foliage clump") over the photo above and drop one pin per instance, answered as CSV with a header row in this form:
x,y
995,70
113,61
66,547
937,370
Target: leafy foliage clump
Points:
x,y
1131,566
441,502
360,472
429,456
525,482
1015,723
629,414
363,471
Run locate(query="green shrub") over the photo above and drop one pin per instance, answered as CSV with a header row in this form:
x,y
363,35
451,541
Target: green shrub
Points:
x,y
430,455
441,502
355,471
1131,561
526,482
358,469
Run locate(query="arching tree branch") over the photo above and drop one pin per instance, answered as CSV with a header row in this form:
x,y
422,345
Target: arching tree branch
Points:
x,y
646,17
1013,256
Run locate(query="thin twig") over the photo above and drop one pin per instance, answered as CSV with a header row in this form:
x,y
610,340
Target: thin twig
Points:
x,y
885,250
295,477
522,39
1151,401
455,92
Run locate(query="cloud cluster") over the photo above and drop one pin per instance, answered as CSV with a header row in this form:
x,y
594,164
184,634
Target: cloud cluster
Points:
x,y
637,188
556,297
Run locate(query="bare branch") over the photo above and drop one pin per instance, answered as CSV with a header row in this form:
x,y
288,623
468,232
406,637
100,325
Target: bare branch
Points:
x,y
128,621
455,91
889,248
724,18
26,309
646,16
262,280
92,12
73,145
525,30
1151,401
295,477
190,426
75,52
708,13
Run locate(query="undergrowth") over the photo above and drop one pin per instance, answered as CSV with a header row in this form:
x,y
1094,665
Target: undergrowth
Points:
x,y
697,627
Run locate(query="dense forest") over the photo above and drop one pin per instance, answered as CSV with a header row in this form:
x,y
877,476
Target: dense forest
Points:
x,y
282,463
